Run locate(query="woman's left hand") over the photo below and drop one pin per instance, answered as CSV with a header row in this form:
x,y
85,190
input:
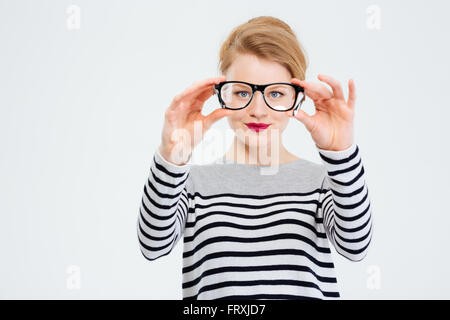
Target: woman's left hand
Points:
x,y
331,127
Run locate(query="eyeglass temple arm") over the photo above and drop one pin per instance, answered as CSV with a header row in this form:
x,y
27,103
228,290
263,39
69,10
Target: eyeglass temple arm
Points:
x,y
295,110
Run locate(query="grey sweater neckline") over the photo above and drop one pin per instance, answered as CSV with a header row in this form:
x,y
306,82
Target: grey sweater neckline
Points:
x,y
229,161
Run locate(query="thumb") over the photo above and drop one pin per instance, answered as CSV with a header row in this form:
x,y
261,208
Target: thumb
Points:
x,y
216,115
304,118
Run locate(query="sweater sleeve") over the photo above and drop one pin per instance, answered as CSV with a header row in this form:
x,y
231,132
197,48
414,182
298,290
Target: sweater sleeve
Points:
x,y
164,207
345,204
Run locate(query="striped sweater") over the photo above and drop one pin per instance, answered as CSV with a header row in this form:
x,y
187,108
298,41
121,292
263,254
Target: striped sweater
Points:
x,y
252,233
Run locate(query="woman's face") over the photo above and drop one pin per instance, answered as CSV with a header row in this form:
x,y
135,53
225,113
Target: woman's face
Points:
x,y
250,68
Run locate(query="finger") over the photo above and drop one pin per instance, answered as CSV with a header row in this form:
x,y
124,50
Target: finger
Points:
x,y
307,120
334,84
195,89
351,94
215,116
196,105
204,94
301,83
316,91
199,101
188,105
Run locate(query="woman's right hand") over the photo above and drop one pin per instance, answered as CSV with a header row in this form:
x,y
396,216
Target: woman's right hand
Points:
x,y
177,139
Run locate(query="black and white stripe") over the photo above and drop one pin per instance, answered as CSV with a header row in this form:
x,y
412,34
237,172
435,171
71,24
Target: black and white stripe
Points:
x,y
248,245
163,208
346,204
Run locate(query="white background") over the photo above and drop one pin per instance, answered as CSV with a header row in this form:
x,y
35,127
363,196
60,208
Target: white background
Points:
x,y
81,113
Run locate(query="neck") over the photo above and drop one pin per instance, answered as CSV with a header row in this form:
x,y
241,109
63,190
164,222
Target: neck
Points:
x,y
260,155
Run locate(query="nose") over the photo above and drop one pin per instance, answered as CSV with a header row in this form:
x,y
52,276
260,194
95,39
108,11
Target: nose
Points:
x,y
257,107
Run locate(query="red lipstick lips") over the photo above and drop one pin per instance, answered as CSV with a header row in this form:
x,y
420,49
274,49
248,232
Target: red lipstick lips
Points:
x,y
257,126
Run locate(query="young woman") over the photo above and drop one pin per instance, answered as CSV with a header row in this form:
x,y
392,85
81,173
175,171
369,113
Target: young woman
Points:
x,y
247,234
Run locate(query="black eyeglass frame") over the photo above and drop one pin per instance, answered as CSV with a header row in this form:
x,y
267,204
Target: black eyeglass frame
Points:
x,y
261,87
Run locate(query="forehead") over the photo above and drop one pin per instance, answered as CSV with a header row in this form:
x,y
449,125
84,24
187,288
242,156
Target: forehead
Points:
x,y
253,69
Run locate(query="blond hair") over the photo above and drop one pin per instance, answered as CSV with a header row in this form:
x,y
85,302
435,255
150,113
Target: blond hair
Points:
x,y
265,37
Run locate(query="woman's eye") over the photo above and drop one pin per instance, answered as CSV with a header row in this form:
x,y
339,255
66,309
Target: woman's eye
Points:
x,y
239,92
280,94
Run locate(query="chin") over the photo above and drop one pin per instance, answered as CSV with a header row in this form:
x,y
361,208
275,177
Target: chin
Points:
x,y
255,140
252,138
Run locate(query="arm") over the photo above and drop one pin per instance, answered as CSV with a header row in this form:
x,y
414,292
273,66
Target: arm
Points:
x,y
164,207
345,205
165,201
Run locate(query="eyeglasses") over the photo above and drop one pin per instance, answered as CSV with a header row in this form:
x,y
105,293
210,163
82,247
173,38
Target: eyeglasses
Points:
x,y
278,96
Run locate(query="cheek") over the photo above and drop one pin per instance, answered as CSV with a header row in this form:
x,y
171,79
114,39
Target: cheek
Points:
x,y
236,121
281,121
